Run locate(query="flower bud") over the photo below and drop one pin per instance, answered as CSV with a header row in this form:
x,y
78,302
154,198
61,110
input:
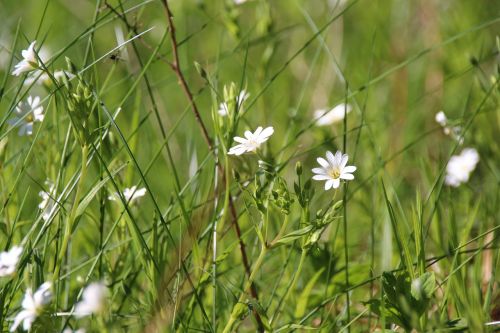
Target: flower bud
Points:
x,y
298,168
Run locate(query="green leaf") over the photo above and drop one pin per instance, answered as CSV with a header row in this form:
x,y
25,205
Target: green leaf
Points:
x,y
391,314
88,198
423,286
294,235
304,296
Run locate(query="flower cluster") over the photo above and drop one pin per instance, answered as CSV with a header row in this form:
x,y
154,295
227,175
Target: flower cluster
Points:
x,y
333,169
94,299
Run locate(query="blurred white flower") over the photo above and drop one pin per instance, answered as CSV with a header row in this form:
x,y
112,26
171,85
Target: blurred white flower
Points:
x,y
29,61
32,305
9,260
459,167
252,141
224,108
441,118
454,132
333,169
43,78
239,2
93,300
26,114
324,117
48,203
130,194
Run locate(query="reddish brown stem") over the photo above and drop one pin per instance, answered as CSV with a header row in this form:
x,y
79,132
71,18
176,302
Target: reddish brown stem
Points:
x,y
175,65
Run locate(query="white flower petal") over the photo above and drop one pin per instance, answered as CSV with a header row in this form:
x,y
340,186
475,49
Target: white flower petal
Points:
x,y
323,162
349,169
321,177
343,161
338,157
267,132
320,171
331,158
347,176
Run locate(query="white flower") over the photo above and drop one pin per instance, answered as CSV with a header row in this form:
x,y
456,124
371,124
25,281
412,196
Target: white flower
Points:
x,y
130,194
48,202
251,141
454,132
29,61
26,114
333,169
459,167
224,108
325,117
441,118
32,305
93,300
9,260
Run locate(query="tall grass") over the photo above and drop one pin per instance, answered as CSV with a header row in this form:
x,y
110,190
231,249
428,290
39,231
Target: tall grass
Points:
x,y
128,200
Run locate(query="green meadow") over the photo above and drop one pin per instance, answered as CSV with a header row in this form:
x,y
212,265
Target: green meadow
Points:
x,y
249,166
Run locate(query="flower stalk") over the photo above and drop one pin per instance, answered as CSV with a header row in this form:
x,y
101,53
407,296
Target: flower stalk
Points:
x,y
72,215
235,313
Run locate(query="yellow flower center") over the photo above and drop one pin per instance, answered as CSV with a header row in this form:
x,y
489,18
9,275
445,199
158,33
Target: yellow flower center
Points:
x,y
334,173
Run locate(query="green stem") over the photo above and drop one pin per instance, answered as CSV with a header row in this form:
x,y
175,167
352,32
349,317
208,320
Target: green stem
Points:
x,y
248,284
292,284
346,257
71,217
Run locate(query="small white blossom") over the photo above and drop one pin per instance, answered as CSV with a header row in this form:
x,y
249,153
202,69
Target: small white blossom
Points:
x,y
324,117
29,61
252,141
454,132
130,194
26,114
32,305
459,167
441,118
48,204
224,108
93,300
333,169
9,260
